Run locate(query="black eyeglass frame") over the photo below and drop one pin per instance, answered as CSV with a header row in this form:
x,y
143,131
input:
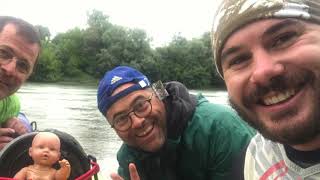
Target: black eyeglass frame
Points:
x,y
128,116
7,56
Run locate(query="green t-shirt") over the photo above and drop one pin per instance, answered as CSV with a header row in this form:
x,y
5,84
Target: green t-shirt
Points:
x,y
9,107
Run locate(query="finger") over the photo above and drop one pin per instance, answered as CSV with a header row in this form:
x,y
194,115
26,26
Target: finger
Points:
x,y
64,162
6,132
115,176
17,125
21,129
133,172
4,140
11,122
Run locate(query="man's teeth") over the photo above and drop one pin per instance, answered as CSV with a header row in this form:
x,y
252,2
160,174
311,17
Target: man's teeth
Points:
x,y
146,131
279,97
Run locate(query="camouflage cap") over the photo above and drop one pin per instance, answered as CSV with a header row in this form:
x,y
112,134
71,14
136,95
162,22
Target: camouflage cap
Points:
x,y
234,14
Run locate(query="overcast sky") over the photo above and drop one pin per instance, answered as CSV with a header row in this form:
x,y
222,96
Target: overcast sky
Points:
x,y
161,19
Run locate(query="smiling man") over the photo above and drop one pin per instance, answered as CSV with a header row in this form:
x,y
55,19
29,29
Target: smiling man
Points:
x,y
268,52
19,49
167,132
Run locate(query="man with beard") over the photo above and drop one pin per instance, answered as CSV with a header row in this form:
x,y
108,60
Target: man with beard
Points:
x,y
167,132
19,49
268,52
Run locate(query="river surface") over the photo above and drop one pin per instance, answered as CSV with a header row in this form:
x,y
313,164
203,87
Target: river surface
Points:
x,y
73,109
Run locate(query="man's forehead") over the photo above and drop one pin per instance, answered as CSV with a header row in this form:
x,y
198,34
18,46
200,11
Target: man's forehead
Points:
x,y
262,27
257,25
122,88
11,37
19,45
127,102
133,96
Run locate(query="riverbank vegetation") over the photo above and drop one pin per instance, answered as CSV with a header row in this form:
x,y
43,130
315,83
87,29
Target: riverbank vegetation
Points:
x,y
86,54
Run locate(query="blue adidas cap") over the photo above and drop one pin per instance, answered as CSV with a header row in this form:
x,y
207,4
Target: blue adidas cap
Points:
x,y
115,78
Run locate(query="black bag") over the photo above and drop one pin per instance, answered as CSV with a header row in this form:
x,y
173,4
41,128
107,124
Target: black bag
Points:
x,y
15,155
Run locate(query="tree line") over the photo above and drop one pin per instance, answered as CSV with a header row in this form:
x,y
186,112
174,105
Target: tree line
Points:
x,y
86,54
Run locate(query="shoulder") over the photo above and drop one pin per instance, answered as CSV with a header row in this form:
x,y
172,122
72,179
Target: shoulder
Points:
x,y
217,118
208,109
9,107
22,173
246,158
263,156
10,99
25,169
127,154
123,153
217,126
259,144
262,148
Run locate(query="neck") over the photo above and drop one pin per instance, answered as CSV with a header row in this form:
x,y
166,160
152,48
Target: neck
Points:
x,y
41,167
314,144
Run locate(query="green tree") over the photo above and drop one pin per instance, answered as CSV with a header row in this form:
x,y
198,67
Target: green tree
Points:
x,y
90,52
188,61
69,48
48,68
44,33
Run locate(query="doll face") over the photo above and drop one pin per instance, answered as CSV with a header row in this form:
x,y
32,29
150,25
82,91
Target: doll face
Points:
x,y
45,150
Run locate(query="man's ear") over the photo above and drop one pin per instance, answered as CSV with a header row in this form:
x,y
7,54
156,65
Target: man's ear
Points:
x,y
30,151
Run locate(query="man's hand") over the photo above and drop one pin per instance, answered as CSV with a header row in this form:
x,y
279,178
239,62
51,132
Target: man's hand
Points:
x,y
16,124
133,173
12,128
6,135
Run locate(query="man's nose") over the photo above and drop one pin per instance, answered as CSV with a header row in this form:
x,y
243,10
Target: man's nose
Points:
x,y
265,68
10,67
137,122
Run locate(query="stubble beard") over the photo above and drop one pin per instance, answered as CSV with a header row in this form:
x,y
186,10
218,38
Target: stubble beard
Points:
x,y
292,133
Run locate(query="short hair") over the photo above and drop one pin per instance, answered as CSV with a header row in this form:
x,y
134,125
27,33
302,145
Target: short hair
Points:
x,y
24,29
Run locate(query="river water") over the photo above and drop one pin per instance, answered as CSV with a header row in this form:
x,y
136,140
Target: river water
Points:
x,y
72,108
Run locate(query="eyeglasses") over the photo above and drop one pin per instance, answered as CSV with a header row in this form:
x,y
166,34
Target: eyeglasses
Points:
x,y
141,109
22,65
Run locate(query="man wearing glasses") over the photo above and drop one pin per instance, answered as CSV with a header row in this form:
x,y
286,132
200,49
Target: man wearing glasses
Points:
x,y
19,49
167,132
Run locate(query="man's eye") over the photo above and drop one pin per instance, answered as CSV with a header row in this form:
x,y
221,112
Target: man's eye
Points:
x,y
238,60
284,39
23,66
5,54
141,106
120,120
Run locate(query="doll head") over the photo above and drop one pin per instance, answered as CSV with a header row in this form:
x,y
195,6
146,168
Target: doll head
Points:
x,y
45,149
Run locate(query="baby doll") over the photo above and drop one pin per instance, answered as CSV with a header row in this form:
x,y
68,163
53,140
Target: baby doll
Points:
x,y
45,151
